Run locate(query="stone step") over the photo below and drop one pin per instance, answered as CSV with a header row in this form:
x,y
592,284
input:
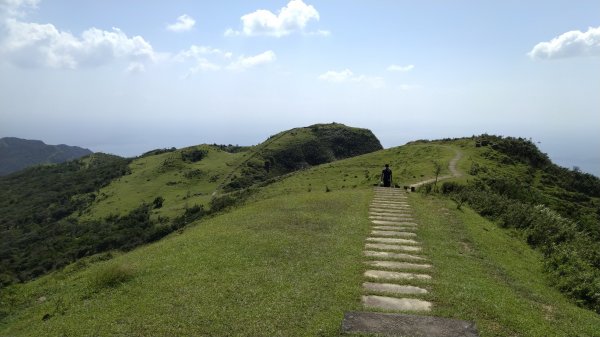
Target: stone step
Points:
x,y
393,255
397,265
395,275
392,218
387,203
400,193
393,233
390,207
386,324
383,246
411,229
395,304
390,214
390,196
392,288
390,200
398,223
394,240
388,210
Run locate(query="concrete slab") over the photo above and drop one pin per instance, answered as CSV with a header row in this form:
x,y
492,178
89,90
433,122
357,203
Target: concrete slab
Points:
x,y
398,265
392,288
383,246
391,214
392,255
389,202
396,304
395,275
391,218
389,210
393,233
387,324
387,222
395,228
394,240
388,215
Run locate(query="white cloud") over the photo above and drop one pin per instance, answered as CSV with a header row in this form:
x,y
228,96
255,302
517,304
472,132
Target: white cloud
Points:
x,y
207,58
195,52
570,44
291,18
243,62
136,68
347,75
16,8
43,45
395,67
336,76
183,24
200,54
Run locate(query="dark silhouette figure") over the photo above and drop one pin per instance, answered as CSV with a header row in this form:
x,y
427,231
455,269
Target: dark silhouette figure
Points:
x,y
386,176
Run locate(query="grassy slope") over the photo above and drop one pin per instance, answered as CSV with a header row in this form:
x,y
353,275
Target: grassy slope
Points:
x,y
289,263
485,274
163,175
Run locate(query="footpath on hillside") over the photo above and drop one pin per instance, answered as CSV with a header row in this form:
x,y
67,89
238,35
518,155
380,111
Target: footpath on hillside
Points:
x,y
397,281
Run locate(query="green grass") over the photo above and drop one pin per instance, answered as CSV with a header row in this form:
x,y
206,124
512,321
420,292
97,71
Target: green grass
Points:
x,y
271,268
486,274
288,262
165,175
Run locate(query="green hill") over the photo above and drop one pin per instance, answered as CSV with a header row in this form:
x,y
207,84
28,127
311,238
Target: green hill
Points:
x,y
53,215
17,154
287,259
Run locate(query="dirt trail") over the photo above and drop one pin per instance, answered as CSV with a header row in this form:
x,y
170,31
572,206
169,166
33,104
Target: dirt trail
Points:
x,y
451,166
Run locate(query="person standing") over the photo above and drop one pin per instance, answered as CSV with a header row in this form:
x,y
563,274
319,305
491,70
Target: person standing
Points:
x,y
386,176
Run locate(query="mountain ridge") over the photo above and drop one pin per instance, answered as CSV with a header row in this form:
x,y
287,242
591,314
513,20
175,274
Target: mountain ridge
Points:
x,y
18,153
289,248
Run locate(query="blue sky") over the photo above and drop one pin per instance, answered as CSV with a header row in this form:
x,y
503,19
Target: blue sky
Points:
x,y
128,76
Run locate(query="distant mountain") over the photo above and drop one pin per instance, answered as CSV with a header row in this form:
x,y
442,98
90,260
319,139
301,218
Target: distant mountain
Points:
x,y
17,154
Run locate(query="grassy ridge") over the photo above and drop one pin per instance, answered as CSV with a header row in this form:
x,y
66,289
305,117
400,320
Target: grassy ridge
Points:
x,y
180,183
288,262
270,268
483,273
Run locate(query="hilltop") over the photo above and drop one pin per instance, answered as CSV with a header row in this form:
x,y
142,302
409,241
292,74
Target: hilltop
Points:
x,y
283,256
118,203
17,154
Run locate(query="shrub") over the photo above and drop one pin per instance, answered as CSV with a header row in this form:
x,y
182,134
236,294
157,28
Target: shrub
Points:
x,y
193,155
112,275
158,202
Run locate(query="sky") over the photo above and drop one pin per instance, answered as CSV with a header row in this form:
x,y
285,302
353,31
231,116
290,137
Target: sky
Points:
x,y
125,77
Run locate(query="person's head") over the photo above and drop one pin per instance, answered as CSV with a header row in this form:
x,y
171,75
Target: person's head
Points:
x,y
387,165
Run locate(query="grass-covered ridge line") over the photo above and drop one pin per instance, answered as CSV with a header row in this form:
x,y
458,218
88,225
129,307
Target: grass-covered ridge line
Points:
x,y
287,260
271,268
53,215
300,148
485,274
555,210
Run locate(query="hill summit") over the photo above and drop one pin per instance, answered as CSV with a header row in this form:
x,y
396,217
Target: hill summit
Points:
x,y
17,154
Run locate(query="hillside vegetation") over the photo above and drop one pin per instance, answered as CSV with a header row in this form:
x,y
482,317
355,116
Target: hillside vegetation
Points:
x,y
283,257
553,209
288,262
17,154
298,149
53,215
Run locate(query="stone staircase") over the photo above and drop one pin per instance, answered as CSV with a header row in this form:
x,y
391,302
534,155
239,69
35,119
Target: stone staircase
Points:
x,y
398,277
398,272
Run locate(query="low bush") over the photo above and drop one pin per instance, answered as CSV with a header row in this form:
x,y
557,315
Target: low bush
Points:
x,y
112,275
